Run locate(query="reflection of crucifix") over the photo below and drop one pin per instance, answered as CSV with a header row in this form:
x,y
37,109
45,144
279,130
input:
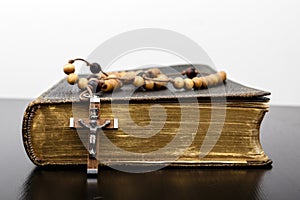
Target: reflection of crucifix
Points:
x,y
93,125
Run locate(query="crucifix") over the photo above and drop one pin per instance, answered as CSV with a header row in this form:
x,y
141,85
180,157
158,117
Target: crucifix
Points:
x,y
94,123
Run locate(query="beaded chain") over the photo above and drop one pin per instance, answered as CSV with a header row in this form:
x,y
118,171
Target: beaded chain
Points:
x,y
151,79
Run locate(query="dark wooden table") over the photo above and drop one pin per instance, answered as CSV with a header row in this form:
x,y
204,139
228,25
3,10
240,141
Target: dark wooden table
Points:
x,y
280,136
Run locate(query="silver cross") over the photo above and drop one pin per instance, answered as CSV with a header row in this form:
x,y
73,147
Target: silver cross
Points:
x,y
93,125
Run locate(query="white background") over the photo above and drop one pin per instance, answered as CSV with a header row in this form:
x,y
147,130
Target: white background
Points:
x,y
256,41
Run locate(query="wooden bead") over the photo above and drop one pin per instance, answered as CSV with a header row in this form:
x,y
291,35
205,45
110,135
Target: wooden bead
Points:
x,y
162,77
178,83
128,77
209,80
191,72
159,84
149,85
216,78
72,78
204,81
153,72
118,74
95,68
69,68
197,82
212,79
162,81
188,84
122,73
219,78
115,81
82,83
223,75
112,75
108,86
138,81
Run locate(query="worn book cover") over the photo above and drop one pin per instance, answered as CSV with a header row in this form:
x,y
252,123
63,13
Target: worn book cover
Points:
x,y
218,126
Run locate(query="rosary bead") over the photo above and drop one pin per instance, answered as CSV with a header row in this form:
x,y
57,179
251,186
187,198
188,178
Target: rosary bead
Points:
x,y
191,72
128,77
112,75
154,72
95,68
178,83
72,78
188,84
122,73
115,81
204,81
223,75
108,86
82,83
162,83
162,77
149,85
218,78
69,68
138,81
212,79
197,82
118,74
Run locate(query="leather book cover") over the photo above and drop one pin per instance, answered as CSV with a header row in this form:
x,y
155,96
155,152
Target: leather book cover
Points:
x,y
49,140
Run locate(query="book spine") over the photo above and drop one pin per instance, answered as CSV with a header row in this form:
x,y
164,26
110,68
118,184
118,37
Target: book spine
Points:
x,y
26,132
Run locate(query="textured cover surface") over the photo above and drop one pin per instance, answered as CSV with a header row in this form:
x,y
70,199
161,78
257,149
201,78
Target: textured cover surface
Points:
x,y
63,92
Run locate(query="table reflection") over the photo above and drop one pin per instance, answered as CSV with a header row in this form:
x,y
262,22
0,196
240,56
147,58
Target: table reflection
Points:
x,y
58,183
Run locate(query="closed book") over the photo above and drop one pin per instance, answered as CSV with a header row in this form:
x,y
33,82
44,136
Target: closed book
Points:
x,y
217,126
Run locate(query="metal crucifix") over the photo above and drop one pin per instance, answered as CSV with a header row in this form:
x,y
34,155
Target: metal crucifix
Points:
x,y
94,124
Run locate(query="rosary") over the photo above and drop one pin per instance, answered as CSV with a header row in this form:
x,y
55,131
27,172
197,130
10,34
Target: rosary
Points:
x,y
150,79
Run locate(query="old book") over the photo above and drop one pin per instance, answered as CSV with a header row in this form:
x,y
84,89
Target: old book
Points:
x,y
219,126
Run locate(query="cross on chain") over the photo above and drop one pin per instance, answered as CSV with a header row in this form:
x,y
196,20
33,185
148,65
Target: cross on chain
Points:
x,y
94,124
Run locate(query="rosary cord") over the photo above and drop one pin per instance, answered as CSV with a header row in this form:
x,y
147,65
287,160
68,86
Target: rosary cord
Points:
x,y
152,79
82,96
80,59
87,90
